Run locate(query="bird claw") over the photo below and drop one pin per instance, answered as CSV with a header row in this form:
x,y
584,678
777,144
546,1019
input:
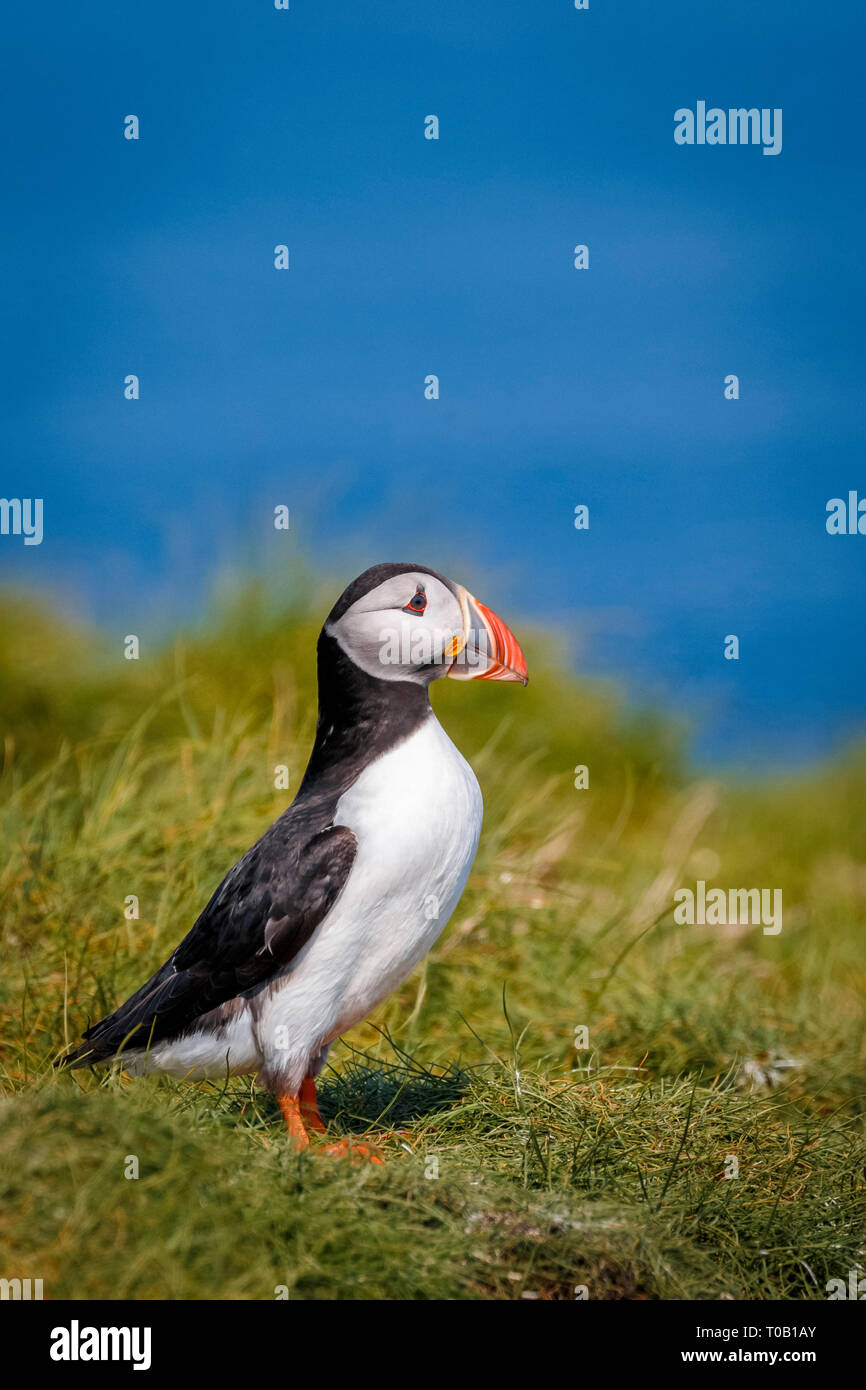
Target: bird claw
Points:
x,y
354,1150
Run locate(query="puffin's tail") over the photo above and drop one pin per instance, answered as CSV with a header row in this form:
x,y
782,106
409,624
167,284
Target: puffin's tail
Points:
x,y
130,1027
102,1041
80,1056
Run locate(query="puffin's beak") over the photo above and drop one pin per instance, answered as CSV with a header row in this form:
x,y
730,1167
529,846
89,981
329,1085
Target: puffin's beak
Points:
x,y
488,650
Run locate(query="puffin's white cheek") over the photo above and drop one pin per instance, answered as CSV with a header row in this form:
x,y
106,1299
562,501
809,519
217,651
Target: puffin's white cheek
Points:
x,y
435,645
392,644
422,646
409,643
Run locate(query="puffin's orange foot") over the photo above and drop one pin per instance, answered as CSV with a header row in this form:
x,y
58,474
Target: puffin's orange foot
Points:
x,y
310,1106
291,1109
301,1113
353,1149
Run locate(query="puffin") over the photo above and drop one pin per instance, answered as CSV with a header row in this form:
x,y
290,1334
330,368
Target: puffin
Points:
x,y
341,898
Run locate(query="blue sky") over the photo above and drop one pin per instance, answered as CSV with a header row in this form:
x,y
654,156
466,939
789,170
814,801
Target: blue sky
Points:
x,y
453,257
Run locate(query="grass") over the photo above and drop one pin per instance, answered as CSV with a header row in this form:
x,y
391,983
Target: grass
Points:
x,y
521,1166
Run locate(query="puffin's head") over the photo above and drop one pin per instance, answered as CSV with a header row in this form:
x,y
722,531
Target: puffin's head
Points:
x,y
408,623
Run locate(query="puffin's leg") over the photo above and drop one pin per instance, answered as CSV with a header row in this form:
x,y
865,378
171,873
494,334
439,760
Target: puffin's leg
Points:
x,y
291,1109
310,1106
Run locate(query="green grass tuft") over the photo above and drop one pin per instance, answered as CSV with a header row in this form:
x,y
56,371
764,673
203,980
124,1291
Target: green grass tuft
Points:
x,y
519,1165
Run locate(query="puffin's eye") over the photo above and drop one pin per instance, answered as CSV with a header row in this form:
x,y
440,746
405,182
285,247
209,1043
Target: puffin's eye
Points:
x,y
418,602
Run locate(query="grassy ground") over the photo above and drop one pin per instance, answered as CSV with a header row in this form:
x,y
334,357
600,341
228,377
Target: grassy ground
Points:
x,y
527,1167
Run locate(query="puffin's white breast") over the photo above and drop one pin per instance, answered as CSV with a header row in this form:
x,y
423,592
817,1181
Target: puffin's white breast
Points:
x,y
416,814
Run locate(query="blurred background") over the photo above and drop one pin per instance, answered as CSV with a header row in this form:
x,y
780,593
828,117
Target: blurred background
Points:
x,y
412,257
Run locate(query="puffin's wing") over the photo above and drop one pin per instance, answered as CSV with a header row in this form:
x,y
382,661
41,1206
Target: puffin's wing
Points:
x,y
263,912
